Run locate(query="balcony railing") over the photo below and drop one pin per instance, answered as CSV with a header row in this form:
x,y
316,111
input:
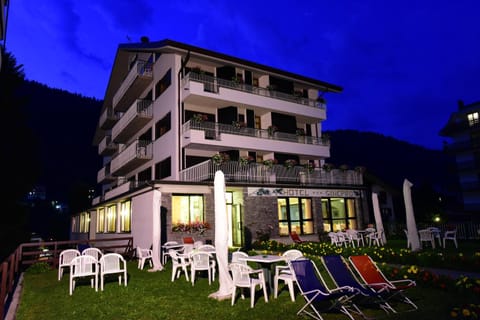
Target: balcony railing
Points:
x,y
132,156
139,114
211,84
213,129
136,81
234,171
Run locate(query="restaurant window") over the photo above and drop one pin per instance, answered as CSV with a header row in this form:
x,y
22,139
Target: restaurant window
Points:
x,y
111,218
338,214
101,220
125,216
187,208
295,214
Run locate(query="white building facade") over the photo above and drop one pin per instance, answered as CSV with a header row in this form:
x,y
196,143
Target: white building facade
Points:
x,y
174,114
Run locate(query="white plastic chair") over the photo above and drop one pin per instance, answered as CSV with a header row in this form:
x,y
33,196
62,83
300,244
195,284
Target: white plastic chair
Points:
x,y
244,277
375,238
113,263
165,252
333,238
84,266
355,237
202,261
426,235
66,256
284,273
144,255
450,235
94,252
239,254
179,261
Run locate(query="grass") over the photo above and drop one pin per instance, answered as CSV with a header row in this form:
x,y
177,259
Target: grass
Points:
x,y
151,295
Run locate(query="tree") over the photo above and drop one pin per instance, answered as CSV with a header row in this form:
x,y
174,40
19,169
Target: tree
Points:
x,y
19,150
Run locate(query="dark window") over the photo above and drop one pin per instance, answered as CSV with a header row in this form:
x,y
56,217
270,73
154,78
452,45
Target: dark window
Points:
x,y
163,126
163,83
163,169
145,175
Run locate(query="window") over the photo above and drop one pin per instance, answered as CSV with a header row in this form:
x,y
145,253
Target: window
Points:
x,y
295,214
145,175
111,218
125,217
163,83
101,220
84,222
473,119
163,126
187,209
338,214
163,169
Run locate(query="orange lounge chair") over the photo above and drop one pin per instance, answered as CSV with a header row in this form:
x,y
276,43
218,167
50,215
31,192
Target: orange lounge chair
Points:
x,y
374,278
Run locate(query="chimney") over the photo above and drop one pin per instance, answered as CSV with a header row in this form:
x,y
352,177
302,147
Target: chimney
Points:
x,y
460,104
144,39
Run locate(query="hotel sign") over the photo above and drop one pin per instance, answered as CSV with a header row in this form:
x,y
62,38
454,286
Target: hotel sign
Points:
x,y
301,192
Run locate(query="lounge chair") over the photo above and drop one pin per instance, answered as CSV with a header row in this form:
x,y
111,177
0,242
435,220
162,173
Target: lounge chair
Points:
x,y
390,290
319,299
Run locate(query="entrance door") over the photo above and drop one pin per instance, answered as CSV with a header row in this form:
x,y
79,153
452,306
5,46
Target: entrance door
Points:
x,y
237,225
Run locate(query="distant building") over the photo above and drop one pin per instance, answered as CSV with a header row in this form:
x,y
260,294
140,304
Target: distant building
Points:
x,y
3,26
174,114
463,127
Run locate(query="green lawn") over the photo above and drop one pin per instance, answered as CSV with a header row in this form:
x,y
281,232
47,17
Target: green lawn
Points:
x,y
151,295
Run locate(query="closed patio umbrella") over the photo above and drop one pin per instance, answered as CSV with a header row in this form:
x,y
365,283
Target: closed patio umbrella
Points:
x,y
411,224
378,217
221,239
157,265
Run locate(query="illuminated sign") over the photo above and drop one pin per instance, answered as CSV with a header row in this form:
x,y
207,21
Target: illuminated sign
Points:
x,y
300,192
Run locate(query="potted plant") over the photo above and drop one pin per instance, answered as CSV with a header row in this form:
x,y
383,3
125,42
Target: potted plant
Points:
x,y
245,160
309,166
269,162
271,130
328,167
199,117
220,158
300,132
290,163
239,124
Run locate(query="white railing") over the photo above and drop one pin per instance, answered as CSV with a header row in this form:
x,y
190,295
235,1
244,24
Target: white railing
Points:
x,y
141,68
256,172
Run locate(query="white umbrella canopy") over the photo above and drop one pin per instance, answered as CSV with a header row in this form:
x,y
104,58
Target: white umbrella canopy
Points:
x,y
411,224
378,216
157,265
221,239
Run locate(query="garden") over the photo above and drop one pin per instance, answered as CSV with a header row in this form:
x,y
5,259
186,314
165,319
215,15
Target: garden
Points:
x,y
152,295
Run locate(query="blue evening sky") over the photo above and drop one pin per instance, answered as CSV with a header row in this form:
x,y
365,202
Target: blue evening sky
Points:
x,y
403,64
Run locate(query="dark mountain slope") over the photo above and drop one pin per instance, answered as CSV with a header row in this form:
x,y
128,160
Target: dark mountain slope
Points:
x,y
64,124
392,160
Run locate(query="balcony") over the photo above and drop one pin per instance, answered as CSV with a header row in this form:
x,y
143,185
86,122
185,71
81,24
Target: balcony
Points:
x,y
108,118
131,157
255,173
107,147
137,80
137,116
203,89
219,137
104,175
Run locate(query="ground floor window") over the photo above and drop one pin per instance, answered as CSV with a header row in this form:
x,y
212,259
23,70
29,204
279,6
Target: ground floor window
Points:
x,y
101,220
84,222
111,218
125,216
339,214
187,209
295,214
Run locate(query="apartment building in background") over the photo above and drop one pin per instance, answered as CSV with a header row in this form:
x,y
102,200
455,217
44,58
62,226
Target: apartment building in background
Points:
x,y
463,129
174,114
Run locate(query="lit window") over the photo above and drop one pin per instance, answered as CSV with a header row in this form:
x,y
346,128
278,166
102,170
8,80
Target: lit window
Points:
x,y
295,214
187,209
473,118
338,214
111,218
125,216
101,220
